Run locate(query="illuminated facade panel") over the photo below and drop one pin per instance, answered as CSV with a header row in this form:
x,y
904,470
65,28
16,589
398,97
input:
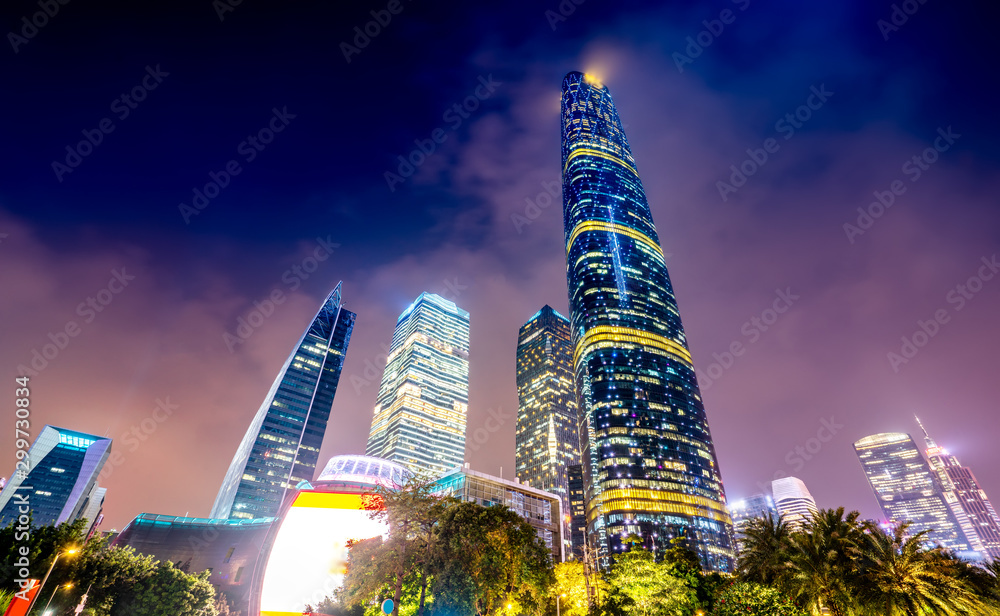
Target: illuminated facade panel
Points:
x,y
420,414
971,506
281,447
644,426
547,438
61,483
907,490
793,501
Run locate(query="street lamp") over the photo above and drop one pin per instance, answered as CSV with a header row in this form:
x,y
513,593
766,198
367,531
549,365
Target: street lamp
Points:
x,y
557,603
69,552
44,609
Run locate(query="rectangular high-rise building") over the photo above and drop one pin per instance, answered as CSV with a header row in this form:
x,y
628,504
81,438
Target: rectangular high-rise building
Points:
x,y
281,447
754,506
578,511
649,462
61,483
423,400
975,512
793,501
547,437
906,488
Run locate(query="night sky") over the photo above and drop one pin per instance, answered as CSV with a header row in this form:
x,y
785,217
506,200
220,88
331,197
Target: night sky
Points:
x,y
839,104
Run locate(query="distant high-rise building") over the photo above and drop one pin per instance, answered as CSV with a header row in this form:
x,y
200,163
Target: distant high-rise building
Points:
x,y
907,490
793,501
649,462
281,447
754,506
975,514
61,485
578,511
420,415
547,437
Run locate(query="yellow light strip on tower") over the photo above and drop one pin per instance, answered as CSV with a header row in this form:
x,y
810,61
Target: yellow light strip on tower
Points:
x,y
599,154
664,497
635,336
612,227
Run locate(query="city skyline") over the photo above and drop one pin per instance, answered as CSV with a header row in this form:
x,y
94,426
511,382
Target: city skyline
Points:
x,y
122,308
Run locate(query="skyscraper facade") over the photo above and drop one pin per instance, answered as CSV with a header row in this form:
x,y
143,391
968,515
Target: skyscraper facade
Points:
x,y
907,490
793,501
420,414
975,514
281,447
577,511
754,506
649,461
61,485
547,438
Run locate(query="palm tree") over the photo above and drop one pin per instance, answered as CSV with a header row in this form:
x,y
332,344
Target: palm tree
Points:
x,y
821,560
766,542
899,576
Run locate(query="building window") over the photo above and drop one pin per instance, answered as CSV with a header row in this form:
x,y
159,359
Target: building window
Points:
x,y
229,554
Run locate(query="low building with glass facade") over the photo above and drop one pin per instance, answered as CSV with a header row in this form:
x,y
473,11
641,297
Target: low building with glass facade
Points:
x,y
541,509
281,446
907,490
61,483
754,506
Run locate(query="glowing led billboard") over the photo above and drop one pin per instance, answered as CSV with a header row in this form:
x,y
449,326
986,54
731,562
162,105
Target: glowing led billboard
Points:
x,y
309,556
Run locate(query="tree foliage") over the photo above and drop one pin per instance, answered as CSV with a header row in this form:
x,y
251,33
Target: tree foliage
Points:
x,y
743,598
643,587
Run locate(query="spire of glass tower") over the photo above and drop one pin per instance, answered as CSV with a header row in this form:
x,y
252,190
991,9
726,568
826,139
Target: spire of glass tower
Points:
x,y
649,461
281,447
420,415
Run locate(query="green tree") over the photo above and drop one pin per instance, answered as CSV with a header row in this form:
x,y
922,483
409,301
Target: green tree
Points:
x,y
168,591
821,561
491,558
898,576
748,598
43,544
571,588
767,542
644,587
378,567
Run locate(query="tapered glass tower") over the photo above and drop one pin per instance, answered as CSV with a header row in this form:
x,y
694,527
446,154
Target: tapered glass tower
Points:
x,y
649,461
423,400
907,490
547,438
975,512
281,447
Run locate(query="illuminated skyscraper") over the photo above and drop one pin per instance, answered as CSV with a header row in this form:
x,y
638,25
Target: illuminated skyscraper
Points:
x,y
975,512
578,511
423,400
61,485
793,501
547,438
649,461
281,447
907,490
755,506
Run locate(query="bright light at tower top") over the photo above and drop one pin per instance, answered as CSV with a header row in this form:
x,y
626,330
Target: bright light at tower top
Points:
x,y
593,80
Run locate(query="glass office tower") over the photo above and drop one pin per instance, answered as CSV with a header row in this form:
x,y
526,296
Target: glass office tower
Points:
x,y
975,512
793,501
649,461
907,490
423,400
61,485
547,438
282,445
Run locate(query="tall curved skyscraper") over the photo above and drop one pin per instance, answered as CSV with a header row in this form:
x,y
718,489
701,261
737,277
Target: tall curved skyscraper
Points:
x,y
281,447
649,462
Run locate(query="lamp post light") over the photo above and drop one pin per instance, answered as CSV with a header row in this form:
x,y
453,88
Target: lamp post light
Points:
x,y
557,603
44,609
69,552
